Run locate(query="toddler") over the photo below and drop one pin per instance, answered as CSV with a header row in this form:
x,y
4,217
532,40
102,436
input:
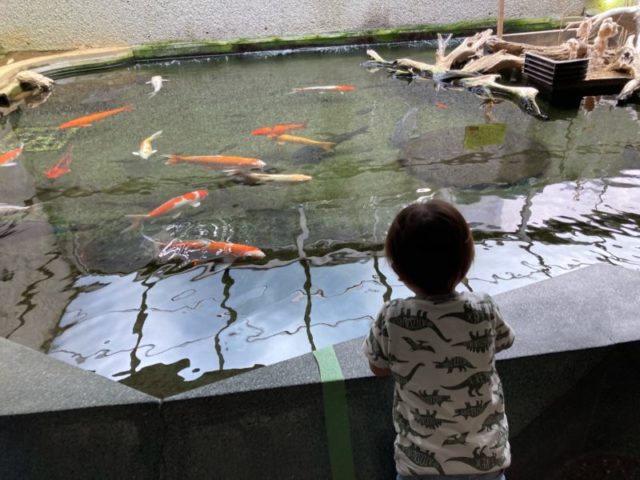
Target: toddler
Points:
x,y
440,345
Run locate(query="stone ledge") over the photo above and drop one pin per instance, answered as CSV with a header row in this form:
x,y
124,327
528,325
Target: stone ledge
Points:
x,y
33,382
243,426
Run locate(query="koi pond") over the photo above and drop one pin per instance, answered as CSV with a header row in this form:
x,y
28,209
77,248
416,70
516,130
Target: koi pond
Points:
x,y
133,300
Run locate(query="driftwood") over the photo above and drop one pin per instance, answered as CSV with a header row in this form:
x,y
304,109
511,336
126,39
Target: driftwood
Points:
x,y
494,63
469,48
485,86
556,52
627,17
30,80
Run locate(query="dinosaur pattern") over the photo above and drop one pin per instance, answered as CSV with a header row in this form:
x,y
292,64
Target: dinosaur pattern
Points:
x,y
478,342
473,314
416,345
460,363
448,403
432,398
474,383
419,321
480,460
471,410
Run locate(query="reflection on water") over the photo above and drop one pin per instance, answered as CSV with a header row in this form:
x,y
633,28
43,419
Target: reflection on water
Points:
x,y
543,198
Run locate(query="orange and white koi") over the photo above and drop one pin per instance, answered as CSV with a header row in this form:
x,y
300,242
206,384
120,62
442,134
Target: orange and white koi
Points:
x,y
441,105
146,148
88,120
7,158
216,161
192,198
281,139
325,88
277,129
61,167
256,178
210,247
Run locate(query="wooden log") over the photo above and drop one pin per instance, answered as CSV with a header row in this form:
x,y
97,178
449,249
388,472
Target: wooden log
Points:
x,y
34,81
627,17
469,48
495,63
555,52
487,86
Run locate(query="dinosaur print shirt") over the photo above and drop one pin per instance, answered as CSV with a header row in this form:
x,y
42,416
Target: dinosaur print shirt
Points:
x,y
448,407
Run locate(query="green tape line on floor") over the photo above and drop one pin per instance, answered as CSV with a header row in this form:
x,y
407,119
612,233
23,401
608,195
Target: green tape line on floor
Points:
x,y
336,414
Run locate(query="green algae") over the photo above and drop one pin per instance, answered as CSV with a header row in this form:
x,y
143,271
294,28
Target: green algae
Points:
x,y
176,49
173,49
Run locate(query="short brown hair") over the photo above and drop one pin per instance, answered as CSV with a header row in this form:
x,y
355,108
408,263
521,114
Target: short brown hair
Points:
x,y
429,245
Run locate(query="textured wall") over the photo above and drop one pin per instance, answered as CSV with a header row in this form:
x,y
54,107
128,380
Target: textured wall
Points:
x,y
62,24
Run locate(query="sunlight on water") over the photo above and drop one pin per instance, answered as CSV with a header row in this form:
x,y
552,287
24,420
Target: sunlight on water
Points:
x,y
88,285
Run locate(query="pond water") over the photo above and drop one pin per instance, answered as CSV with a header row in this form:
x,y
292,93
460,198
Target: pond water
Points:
x,y
543,198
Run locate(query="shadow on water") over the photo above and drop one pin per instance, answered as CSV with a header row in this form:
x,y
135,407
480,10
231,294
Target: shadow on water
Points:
x,y
443,158
311,154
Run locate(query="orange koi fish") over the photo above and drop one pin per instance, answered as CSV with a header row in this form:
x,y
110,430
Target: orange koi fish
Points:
x,y
218,249
7,158
441,105
217,161
191,198
325,88
88,120
61,167
277,129
327,146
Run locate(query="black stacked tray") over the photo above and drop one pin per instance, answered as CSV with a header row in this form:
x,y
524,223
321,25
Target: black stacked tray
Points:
x,y
554,73
564,81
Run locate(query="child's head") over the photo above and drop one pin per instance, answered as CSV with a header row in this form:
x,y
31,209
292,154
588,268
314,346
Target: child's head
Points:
x,y
430,246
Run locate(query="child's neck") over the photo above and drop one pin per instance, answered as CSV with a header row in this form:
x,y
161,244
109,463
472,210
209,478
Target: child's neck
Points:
x,y
420,292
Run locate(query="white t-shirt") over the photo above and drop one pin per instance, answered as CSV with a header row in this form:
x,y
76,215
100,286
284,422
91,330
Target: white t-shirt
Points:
x,y
448,406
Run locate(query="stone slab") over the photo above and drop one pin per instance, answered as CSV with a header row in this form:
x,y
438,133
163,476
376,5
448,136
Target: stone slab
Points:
x,y
32,382
587,308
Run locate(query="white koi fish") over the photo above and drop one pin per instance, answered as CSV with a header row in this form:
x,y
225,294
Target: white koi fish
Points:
x,y
6,209
156,83
146,149
255,178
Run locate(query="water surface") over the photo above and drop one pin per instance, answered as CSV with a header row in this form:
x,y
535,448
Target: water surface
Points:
x,y
546,198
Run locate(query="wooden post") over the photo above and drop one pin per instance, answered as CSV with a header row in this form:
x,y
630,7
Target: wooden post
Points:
x,y
500,18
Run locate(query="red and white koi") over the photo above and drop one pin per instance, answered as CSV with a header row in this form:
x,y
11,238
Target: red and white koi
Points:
x,y
325,88
7,158
209,247
146,148
192,199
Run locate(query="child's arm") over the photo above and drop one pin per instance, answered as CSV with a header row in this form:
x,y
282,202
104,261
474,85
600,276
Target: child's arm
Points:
x,y
376,346
504,333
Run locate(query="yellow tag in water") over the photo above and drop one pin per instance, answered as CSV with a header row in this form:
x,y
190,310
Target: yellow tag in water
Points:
x,y
478,136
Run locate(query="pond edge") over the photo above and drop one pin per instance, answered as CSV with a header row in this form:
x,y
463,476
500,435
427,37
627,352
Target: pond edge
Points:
x,y
75,62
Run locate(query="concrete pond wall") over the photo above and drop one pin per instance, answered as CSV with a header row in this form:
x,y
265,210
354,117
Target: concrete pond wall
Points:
x,y
570,385
67,24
